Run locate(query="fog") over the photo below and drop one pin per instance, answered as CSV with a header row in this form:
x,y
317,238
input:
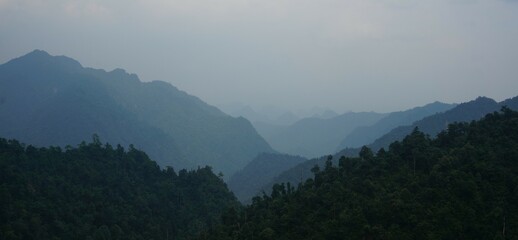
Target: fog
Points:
x,y
344,55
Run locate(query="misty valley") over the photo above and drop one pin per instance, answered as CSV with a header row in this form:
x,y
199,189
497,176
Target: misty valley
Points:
x,y
92,154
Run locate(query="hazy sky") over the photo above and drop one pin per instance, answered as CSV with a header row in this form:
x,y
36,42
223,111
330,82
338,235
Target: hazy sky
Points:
x,y
380,55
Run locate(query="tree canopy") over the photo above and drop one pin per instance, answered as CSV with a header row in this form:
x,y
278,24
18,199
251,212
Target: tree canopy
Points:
x,y
461,185
96,191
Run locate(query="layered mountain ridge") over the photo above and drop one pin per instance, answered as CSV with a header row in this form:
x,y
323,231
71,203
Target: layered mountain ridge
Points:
x,y
314,136
431,125
53,100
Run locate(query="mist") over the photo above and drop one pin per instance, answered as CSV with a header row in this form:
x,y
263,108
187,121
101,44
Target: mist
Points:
x,y
341,55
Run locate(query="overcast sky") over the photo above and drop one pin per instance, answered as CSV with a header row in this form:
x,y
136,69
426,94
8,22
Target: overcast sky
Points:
x,y
359,55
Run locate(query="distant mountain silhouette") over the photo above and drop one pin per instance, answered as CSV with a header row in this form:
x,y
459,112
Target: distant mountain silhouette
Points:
x,y
313,137
263,169
270,115
367,134
431,125
53,100
465,112
326,114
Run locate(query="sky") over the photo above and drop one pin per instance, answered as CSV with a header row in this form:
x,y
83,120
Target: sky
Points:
x,y
344,55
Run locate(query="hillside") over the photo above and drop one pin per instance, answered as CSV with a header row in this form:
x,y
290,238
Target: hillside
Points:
x,y
461,185
367,134
314,137
431,125
250,181
359,136
53,100
97,191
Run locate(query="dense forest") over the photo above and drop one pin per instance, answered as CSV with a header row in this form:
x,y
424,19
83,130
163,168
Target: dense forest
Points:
x,y
463,184
97,191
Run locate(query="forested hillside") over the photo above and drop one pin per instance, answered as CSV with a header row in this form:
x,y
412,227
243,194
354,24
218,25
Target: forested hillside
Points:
x,y
465,112
97,191
461,185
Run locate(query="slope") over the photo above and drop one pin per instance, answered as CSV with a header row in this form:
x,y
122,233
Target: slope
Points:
x,y
432,125
97,191
367,134
462,185
313,137
47,100
464,112
249,181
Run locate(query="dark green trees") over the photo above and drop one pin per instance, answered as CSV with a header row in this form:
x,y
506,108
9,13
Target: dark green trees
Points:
x,y
97,191
461,185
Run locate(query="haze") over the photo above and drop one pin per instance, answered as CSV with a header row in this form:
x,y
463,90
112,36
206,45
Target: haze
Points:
x,y
344,55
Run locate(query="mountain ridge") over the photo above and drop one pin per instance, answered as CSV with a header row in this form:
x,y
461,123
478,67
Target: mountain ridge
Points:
x,y
460,185
313,137
472,110
53,100
367,134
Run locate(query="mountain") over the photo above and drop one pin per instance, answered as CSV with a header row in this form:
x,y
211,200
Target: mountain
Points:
x,y
326,114
313,137
511,103
461,185
96,191
248,182
267,114
53,100
359,136
367,134
431,125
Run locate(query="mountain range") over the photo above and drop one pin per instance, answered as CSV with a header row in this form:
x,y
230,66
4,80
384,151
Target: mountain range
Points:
x,y
54,100
431,125
367,134
315,136
260,174
329,132
459,185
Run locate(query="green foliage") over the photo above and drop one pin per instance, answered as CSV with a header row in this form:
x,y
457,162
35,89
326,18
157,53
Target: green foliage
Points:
x,y
97,191
461,185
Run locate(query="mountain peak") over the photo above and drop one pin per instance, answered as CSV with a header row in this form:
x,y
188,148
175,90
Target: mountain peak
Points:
x,y
120,73
43,59
53,100
37,53
484,99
